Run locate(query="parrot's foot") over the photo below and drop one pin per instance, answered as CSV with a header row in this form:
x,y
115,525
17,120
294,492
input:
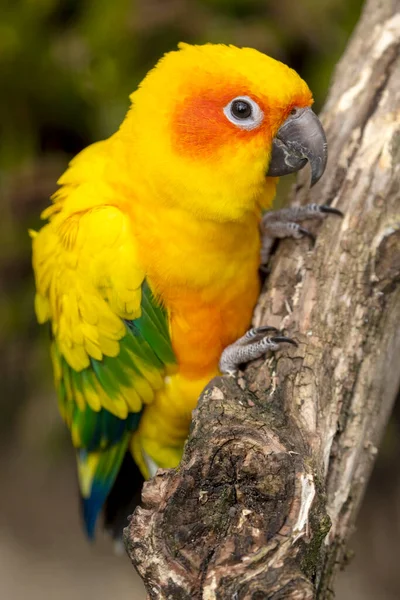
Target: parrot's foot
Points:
x,y
254,344
285,223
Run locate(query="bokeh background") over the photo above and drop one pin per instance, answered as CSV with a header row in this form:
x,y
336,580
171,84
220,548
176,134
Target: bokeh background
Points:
x,y
66,70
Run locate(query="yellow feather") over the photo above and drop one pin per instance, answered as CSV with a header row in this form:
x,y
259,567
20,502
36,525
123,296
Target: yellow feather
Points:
x,y
49,212
93,349
88,310
117,406
151,374
108,346
86,471
42,308
132,398
144,390
75,356
76,440
79,399
92,398
90,332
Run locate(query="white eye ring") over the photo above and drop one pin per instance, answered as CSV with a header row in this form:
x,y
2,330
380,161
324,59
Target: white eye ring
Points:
x,y
250,119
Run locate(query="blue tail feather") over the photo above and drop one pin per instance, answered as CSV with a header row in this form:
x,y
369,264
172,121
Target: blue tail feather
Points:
x,y
97,473
92,507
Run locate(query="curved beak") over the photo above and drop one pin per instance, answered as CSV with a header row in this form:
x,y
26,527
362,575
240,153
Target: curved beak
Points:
x,y
299,140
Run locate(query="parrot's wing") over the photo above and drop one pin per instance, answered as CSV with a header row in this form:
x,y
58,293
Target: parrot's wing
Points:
x,y
110,340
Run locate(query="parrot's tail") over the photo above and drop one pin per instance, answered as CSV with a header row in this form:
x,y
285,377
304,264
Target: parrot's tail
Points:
x,y
97,472
124,497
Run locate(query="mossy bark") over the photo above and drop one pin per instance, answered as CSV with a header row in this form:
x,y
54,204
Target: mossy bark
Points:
x,y
277,461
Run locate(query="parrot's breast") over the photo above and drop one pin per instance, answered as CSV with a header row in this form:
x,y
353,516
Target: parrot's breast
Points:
x,y
206,276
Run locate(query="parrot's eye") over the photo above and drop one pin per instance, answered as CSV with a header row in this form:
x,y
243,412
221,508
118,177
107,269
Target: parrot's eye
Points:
x,y
244,112
241,109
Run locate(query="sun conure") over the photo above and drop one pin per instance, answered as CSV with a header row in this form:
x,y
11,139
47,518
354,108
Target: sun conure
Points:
x,y
147,267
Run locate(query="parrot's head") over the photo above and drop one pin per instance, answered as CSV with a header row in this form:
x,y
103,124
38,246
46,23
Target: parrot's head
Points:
x,y
211,127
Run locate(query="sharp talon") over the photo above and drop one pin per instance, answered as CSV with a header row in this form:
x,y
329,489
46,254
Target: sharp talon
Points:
x,y
331,211
307,234
265,328
281,339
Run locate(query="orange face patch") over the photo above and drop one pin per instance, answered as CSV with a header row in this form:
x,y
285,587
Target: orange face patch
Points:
x,y
200,127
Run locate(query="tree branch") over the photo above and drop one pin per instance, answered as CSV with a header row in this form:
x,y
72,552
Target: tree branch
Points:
x,y
277,462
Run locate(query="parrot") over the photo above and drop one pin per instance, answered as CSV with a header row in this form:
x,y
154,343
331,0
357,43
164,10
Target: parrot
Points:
x,y
147,266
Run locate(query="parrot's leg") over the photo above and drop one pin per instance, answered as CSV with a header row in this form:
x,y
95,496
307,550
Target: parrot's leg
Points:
x,y
285,223
254,344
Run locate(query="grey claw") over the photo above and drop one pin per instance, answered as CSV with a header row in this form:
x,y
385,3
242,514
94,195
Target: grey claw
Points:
x,y
307,234
281,339
264,329
256,332
330,210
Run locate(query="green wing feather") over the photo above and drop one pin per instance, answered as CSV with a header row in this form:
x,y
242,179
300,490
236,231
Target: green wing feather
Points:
x,y
133,376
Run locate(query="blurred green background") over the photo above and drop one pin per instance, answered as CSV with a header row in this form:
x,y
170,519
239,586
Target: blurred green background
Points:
x,y
66,70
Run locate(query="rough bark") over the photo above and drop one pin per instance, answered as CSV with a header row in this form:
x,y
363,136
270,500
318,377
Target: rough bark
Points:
x,y
277,461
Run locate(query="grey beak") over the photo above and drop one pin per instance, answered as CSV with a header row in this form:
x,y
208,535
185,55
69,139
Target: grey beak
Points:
x,y
301,138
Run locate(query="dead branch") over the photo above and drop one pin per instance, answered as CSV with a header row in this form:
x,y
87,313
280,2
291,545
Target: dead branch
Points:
x,y
277,462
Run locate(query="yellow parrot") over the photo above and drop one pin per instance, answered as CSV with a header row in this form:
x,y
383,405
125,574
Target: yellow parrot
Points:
x,y
147,267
